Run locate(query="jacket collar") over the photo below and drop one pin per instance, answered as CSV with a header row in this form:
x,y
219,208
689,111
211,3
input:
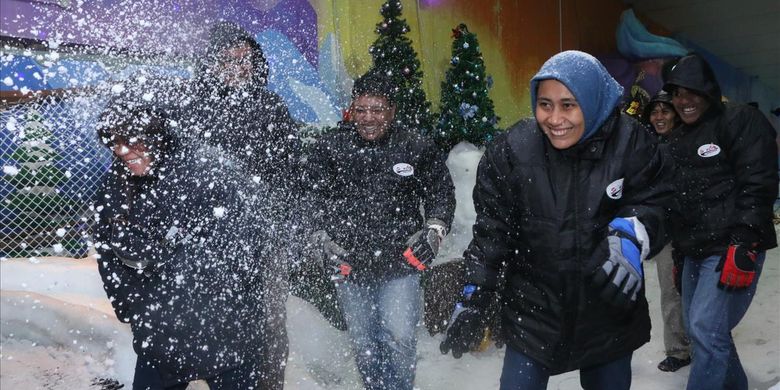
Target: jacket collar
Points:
x,y
362,143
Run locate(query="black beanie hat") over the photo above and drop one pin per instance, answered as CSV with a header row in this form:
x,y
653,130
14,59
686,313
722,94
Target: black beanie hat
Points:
x,y
375,83
694,73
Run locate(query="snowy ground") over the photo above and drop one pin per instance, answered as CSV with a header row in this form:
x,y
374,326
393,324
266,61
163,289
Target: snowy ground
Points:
x,y
58,331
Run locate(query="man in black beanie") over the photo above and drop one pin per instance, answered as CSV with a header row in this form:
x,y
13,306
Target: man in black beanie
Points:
x,y
371,176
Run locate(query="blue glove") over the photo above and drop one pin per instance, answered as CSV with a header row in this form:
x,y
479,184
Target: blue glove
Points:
x,y
621,277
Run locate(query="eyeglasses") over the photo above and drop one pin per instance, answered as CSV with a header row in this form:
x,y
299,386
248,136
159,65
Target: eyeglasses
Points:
x,y
374,110
116,141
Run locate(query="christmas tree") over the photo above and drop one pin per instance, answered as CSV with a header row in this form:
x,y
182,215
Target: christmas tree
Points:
x,y
467,112
41,214
393,54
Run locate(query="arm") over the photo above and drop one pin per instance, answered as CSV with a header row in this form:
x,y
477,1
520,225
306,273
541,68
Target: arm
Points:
x,y
319,246
494,237
636,231
749,140
439,196
119,281
490,248
647,190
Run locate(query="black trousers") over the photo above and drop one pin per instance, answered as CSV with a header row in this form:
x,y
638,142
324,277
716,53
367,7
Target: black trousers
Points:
x,y
245,376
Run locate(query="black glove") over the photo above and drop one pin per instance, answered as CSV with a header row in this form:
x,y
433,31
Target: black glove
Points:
x,y
737,267
469,322
621,277
678,261
423,246
132,244
330,256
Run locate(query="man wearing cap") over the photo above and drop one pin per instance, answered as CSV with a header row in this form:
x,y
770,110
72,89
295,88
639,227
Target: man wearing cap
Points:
x,y
727,182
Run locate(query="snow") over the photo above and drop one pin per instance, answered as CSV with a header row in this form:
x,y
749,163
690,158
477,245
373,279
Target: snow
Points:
x,y
59,330
10,170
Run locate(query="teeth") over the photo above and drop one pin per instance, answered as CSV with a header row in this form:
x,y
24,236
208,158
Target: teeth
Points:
x,y
134,161
558,132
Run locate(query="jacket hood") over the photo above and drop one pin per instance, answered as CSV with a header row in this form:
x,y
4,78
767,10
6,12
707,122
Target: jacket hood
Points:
x,y
660,97
130,113
596,91
224,35
694,73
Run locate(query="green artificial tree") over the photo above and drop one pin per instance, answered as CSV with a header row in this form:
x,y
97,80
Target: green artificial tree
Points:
x,y
41,214
393,55
467,112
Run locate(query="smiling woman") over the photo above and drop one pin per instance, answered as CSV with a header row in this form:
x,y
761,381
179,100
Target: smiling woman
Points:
x,y
566,219
136,136
171,215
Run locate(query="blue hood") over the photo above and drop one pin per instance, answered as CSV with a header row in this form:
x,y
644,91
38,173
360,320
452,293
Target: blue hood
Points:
x,y
596,91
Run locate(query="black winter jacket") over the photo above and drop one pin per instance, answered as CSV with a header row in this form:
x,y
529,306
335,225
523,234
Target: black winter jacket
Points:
x,y
369,195
727,182
250,121
542,217
189,309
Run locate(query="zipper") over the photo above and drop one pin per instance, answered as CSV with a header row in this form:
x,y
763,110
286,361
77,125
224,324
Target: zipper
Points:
x,y
570,312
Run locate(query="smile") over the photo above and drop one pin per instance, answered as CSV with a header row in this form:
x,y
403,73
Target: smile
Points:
x,y
559,132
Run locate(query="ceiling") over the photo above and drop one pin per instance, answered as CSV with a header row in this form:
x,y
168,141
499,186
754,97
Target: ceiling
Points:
x,y
745,34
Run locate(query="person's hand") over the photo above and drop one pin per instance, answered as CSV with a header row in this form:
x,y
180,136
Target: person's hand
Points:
x,y
737,268
621,276
469,322
330,256
423,246
130,244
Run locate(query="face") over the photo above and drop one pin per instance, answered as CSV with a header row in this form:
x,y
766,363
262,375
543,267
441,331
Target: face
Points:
x,y
662,117
234,67
690,106
134,154
372,116
558,114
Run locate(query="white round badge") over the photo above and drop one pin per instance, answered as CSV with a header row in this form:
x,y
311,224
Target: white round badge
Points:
x,y
403,169
615,189
708,150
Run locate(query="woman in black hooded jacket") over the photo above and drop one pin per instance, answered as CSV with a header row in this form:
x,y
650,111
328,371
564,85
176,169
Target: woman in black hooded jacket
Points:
x,y
180,240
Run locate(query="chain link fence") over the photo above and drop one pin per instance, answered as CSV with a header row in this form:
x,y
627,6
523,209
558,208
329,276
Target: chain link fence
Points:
x,y
51,164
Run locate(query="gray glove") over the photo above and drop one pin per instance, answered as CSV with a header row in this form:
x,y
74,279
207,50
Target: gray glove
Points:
x,y
330,256
621,276
423,246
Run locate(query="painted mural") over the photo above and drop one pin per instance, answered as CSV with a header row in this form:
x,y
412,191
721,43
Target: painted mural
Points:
x,y
316,47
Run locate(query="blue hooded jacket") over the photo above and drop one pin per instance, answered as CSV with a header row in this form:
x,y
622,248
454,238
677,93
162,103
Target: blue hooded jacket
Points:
x,y
596,91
